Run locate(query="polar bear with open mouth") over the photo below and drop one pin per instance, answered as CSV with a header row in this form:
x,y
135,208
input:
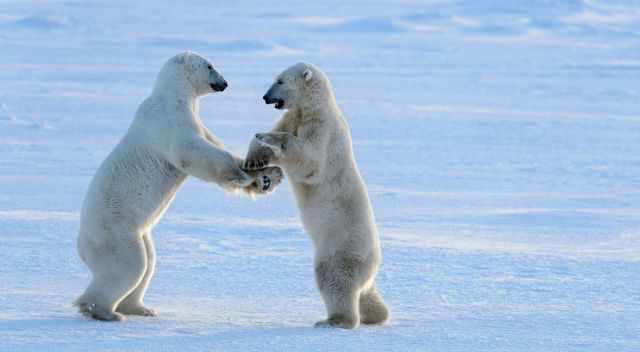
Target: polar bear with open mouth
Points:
x,y
312,143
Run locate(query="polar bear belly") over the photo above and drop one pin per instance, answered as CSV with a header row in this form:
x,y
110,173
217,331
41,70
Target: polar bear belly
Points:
x,y
134,189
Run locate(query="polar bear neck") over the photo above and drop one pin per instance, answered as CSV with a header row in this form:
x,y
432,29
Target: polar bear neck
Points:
x,y
173,81
321,104
317,112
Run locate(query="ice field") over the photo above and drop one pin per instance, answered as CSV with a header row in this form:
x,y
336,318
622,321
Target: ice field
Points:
x,y
499,140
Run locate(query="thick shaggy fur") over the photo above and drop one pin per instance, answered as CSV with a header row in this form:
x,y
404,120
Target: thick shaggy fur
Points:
x,y
136,183
312,143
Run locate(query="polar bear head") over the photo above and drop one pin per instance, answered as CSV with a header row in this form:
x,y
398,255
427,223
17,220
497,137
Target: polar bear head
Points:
x,y
301,86
191,73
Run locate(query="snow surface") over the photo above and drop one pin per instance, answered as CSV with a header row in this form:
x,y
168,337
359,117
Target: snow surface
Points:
x,y
500,141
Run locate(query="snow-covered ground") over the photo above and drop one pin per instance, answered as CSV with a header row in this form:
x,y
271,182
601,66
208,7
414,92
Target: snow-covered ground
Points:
x,y
500,141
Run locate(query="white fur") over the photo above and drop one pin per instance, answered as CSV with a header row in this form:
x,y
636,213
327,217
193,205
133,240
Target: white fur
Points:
x,y
312,143
133,187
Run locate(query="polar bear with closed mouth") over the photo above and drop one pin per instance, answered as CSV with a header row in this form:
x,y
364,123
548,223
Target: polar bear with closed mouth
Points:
x,y
312,143
133,187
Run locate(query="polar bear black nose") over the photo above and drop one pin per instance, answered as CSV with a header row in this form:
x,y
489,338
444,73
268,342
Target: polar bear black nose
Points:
x,y
219,86
264,97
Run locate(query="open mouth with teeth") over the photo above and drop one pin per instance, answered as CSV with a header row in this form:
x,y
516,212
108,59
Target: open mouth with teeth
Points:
x,y
279,104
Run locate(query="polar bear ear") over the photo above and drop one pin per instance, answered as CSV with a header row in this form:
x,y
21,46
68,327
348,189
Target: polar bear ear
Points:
x,y
179,59
187,57
307,75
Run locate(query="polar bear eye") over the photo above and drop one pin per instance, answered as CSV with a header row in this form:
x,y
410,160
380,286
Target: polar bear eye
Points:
x,y
279,81
210,67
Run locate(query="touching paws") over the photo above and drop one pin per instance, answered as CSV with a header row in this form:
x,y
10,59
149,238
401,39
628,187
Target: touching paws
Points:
x,y
266,180
265,148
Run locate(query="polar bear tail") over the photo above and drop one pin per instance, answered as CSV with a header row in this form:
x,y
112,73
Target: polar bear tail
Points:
x,y
372,307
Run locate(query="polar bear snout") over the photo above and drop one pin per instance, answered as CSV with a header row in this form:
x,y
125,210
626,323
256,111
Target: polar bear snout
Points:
x,y
269,100
219,86
216,81
274,96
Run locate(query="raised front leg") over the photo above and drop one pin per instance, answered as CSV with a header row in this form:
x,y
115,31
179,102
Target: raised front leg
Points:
x,y
198,157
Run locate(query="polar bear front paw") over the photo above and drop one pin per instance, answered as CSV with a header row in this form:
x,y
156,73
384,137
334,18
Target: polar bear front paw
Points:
x,y
259,155
266,148
264,183
276,141
267,179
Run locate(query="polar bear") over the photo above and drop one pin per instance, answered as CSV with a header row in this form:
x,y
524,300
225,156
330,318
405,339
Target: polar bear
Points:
x,y
133,187
312,143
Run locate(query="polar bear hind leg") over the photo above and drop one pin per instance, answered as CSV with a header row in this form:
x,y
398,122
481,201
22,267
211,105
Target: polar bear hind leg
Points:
x,y
372,307
133,303
342,308
340,295
117,270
